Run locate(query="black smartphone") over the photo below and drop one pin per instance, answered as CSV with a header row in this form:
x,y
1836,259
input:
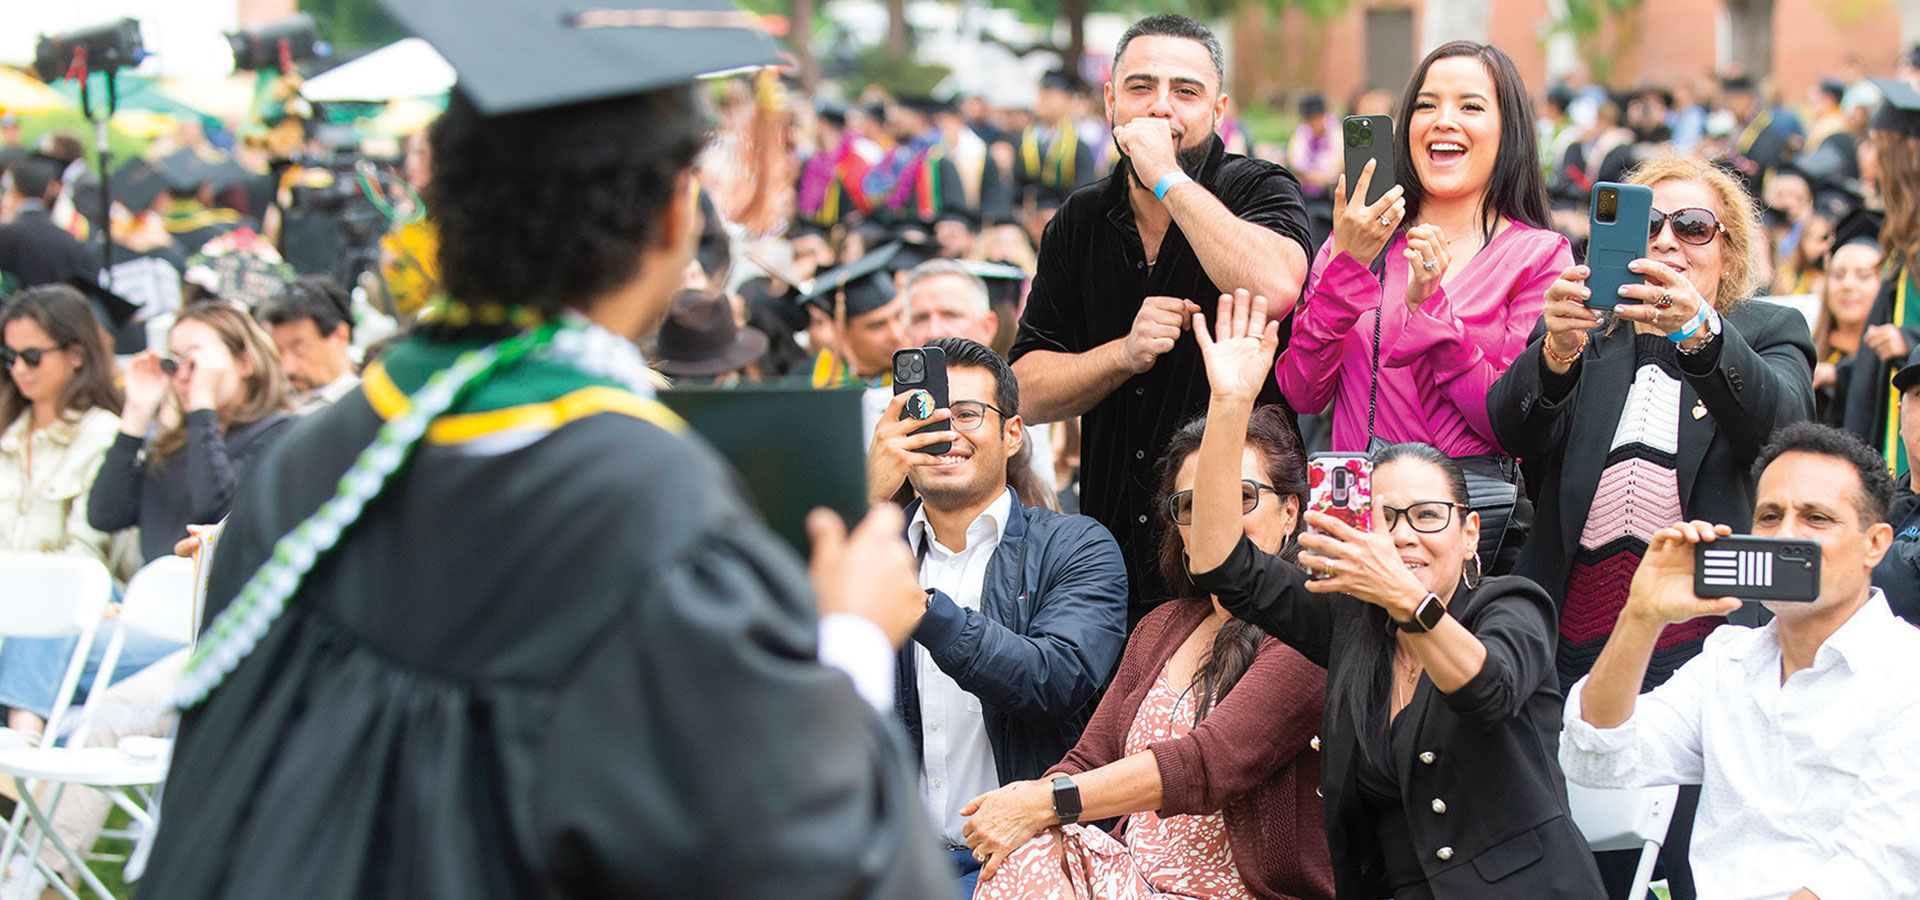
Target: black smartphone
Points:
x,y
1616,236
1757,568
923,369
1369,138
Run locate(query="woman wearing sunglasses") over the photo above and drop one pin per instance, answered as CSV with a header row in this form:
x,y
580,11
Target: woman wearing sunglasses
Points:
x,y
1650,416
57,404
1204,741
194,420
1442,711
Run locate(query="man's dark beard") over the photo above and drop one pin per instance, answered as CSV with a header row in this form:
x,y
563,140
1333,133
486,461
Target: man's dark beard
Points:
x,y
1191,159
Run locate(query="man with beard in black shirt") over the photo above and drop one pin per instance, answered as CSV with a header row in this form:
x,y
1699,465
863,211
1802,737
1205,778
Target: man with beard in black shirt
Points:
x,y
1132,258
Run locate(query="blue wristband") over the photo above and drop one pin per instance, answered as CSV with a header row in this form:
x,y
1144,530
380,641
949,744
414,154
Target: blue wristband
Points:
x,y
1691,328
1167,182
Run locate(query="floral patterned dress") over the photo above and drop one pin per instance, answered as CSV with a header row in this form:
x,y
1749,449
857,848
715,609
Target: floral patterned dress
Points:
x,y
1175,856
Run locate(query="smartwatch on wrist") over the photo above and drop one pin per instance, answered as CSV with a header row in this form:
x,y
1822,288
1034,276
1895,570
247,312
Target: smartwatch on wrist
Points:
x,y
1066,800
1426,616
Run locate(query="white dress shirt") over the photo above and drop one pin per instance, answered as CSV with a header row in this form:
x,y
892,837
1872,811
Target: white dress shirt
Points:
x,y
956,760
1811,783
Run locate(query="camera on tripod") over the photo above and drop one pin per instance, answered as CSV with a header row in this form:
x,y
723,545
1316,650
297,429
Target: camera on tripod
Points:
x,y
101,48
276,46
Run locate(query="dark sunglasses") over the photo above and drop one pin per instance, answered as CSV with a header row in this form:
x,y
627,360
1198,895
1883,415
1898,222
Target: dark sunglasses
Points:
x,y
1179,507
33,355
1426,517
1692,225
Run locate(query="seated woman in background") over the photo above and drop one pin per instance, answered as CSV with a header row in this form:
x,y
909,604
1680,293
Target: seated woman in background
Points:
x,y
220,400
58,406
1204,742
1442,715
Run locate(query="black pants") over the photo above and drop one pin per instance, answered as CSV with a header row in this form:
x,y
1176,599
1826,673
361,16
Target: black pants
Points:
x,y
1617,866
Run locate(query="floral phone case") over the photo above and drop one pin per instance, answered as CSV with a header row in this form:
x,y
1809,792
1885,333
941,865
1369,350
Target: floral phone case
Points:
x,y
1341,485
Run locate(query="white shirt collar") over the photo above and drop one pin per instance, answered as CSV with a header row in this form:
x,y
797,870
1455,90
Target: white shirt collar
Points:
x,y
992,522
1857,643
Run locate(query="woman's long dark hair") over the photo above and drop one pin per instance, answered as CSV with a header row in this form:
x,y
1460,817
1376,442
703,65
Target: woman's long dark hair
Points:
x,y
64,314
1516,190
1359,686
1238,641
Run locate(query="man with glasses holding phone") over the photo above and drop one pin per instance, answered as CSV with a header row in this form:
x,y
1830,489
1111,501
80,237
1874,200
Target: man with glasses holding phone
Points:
x,y
1026,609
1799,731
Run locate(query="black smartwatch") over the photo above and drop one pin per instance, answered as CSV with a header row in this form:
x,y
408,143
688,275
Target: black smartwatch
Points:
x,y
1066,800
1426,616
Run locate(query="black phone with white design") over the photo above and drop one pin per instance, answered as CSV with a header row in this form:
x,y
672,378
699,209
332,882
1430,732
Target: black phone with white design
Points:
x,y
1757,568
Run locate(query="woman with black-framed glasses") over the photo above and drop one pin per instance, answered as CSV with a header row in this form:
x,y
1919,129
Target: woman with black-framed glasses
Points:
x,y
1650,416
1436,746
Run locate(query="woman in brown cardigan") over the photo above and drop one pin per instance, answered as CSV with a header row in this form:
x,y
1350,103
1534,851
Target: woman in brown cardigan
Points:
x,y
1204,743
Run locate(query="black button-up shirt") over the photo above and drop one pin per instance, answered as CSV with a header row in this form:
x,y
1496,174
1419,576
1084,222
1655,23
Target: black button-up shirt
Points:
x,y
1092,278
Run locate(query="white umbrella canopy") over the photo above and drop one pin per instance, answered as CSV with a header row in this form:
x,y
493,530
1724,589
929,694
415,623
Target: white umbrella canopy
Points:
x,y
406,68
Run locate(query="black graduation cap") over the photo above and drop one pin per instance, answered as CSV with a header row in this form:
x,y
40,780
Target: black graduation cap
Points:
x,y
866,284
1862,226
517,55
119,310
183,171
834,114
915,247
1058,80
924,105
136,185
1900,110
1003,280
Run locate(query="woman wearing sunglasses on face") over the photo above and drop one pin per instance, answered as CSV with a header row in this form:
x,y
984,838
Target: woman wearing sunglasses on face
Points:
x,y
57,407
1437,746
1204,741
1652,418
213,405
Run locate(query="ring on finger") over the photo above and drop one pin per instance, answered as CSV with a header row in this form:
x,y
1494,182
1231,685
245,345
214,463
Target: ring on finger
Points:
x,y
1665,301
1428,265
979,856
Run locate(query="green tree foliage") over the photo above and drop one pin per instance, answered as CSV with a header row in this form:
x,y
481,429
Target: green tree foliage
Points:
x,y
355,24
1601,29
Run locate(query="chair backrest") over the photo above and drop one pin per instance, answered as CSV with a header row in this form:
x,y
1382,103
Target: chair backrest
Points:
x,y
1622,819
45,595
159,599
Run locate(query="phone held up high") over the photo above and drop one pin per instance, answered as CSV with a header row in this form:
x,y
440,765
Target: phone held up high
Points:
x,y
1341,485
1757,568
1616,236
923,369
1368,138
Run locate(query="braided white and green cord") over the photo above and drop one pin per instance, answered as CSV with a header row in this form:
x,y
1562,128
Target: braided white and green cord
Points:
x,y
240,626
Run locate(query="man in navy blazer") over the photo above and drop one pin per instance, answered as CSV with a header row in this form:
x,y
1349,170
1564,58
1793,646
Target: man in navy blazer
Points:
x,y
1026,608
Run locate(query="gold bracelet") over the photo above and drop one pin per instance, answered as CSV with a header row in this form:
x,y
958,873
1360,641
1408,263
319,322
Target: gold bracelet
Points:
x,y
1571,358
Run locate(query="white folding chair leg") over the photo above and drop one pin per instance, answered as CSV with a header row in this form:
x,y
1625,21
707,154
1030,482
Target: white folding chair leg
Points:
x,y
45,823
1643,876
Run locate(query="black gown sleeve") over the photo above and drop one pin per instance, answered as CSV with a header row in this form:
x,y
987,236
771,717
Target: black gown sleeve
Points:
x,y
114,502
702,751
1272,593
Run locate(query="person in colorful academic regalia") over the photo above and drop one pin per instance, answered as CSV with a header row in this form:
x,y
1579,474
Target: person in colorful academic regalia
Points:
x,y
830,179
1869,407
1050,160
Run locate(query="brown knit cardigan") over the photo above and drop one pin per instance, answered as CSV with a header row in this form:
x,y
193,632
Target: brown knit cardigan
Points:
x,y
1252,755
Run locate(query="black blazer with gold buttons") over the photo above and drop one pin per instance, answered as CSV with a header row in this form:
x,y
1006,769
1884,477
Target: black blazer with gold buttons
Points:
x,y
1481,787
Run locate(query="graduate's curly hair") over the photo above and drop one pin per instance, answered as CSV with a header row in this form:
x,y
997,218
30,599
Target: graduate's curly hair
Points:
x,y
551,207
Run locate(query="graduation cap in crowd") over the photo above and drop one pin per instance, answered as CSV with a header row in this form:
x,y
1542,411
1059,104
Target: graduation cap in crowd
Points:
x,y
915,245
533,54
1862,226
136,185
857,288
1900,110
834,114
1058,80
1003,280
924,105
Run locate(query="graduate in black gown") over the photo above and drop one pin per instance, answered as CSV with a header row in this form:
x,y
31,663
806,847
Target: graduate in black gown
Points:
x,y
556,655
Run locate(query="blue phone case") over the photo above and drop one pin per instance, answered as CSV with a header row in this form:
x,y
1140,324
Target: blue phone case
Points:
x,y
1612,245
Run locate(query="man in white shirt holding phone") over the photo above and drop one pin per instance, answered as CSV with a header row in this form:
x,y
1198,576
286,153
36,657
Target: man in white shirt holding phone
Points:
x,y
1798,731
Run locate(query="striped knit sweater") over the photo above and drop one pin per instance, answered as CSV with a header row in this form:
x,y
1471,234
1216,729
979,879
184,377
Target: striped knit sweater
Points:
x,y
1639,494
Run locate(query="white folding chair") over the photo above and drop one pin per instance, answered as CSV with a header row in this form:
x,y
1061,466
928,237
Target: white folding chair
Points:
x,y
1632,819
159,601
49,595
